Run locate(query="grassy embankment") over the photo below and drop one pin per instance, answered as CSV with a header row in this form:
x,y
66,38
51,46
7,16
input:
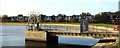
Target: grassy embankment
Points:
x,y
104,25
117,45
25,23
13,23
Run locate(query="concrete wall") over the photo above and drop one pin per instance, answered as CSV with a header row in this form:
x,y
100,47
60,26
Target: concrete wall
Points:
x,y
35,35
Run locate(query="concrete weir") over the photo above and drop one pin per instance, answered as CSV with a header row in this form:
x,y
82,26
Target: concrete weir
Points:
x,y
51,36
36,35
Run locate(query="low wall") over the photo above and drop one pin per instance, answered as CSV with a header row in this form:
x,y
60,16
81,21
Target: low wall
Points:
x,y
35,35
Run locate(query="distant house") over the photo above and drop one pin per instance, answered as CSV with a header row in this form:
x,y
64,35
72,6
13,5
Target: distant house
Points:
x,y
13,18
17,18
25,18
67,18
48,17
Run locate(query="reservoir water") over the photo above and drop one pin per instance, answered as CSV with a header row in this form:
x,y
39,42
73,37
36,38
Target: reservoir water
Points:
x,y
14,36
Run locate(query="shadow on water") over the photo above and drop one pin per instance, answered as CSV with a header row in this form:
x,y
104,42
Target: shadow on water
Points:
x,y
38,44
73,46
35,44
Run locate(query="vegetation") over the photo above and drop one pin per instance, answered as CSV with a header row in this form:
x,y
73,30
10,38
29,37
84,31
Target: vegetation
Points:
x,y
5,18
60,23
104,18
117,45
101,24
61,17
107,17
20,19
104,25
42,17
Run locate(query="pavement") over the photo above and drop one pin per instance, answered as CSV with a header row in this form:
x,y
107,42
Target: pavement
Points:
x,y
91,27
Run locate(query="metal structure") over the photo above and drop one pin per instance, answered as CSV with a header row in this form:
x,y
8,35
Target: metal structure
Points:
x,y
34,20
84,24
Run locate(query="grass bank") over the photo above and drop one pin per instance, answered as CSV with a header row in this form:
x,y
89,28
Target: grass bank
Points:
x,y
60,23
104,25
14,23
25,23
117,45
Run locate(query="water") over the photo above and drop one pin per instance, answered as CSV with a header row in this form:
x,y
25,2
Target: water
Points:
x,y
15,36
0,36
78,41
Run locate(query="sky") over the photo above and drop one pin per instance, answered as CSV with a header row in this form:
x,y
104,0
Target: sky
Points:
x,y
55,7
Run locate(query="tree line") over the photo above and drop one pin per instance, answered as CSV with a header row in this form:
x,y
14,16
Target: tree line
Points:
x,y
103,17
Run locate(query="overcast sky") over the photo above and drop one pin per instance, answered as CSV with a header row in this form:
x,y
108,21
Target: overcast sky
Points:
x,y
54,7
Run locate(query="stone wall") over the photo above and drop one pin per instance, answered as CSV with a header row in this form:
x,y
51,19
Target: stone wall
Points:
x,y
35,35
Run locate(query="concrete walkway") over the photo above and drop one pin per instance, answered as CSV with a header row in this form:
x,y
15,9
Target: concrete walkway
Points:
x,y
103,29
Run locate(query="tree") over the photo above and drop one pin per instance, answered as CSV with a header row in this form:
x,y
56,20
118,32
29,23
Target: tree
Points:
x,y
74,19
20,15
88,14
90,19
42,17
117,17
103,18
53,17
4,18
83,14
61,17
20,18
